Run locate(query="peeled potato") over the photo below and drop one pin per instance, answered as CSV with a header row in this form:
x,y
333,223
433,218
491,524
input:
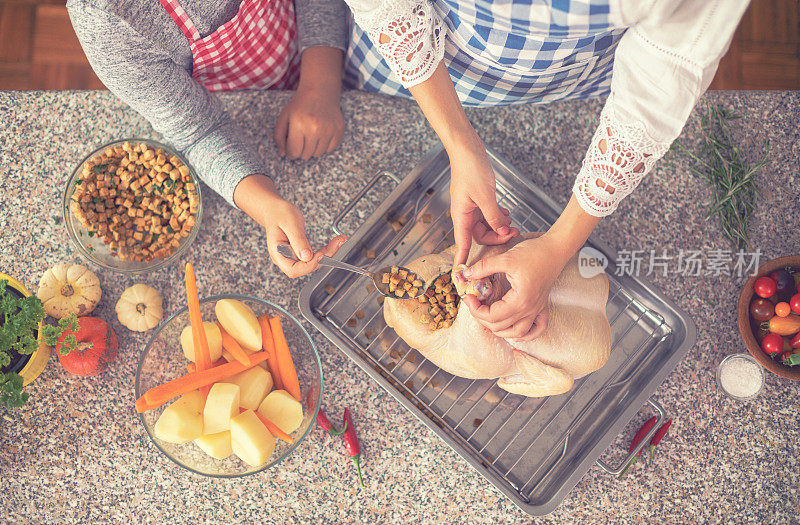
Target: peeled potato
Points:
x,y
254,383
282,409
218,445
229,357
222,404
213,336
250,439
240,322
182,421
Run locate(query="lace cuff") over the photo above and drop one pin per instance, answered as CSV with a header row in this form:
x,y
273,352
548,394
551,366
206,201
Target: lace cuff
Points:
x,y
620,155
408,34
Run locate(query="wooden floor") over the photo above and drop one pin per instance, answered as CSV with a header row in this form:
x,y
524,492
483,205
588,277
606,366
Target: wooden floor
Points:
x,y
38,49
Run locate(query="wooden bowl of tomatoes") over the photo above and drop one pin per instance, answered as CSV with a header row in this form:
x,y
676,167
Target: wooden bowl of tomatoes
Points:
x,y
769,316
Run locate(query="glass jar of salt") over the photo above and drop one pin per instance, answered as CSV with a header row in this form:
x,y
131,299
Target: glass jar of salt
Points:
x,y
740,377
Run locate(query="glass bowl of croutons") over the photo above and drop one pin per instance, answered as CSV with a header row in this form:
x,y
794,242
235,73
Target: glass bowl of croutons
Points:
x,y
132,206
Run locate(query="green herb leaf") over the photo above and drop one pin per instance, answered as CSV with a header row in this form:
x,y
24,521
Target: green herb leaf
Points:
x,y
18,335
731,176
11,393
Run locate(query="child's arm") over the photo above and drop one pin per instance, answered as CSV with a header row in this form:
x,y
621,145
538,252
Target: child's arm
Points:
x,y
312,124
257,196
142,73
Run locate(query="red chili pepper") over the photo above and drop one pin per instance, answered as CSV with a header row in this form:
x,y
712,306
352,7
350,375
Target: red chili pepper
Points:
x,y
322,421
640,434
351,443
657,437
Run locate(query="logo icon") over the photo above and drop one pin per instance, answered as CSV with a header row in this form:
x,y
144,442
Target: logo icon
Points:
x,y
591,262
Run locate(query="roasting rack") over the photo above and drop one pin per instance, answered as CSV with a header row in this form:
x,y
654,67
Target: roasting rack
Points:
x,y
534,450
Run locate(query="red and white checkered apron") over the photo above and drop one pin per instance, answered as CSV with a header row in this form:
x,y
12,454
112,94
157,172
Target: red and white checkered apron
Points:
x,y
256,49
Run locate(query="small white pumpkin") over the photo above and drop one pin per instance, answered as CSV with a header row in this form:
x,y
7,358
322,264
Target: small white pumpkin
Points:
x,y
140,308
69,288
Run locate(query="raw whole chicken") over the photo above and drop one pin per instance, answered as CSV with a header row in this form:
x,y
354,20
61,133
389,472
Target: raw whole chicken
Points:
x,y
577,340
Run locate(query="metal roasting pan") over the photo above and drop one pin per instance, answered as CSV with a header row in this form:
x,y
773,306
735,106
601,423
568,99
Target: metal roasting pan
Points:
x,y
534,450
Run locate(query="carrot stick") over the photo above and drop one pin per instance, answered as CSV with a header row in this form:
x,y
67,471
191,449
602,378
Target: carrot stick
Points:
x,y
158,395
143,406
230,344
191,367
284,358
201,356
269,347
272,428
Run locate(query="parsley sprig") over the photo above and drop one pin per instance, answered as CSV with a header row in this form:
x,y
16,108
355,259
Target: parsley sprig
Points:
x,y
19,322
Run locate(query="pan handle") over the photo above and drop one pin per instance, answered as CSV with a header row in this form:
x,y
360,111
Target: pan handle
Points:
x,y
347,209
643,443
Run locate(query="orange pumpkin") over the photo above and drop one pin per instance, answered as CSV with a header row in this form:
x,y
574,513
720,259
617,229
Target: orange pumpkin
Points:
x,y
97,348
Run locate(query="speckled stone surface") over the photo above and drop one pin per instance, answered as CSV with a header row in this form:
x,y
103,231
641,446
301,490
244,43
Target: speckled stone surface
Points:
x,y
77,452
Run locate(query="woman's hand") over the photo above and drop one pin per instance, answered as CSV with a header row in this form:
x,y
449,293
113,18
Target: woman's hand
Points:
x,y
284,224
473,203
531,267
312,124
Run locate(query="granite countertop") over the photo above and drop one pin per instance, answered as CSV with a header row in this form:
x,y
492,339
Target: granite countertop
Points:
x,y
77,452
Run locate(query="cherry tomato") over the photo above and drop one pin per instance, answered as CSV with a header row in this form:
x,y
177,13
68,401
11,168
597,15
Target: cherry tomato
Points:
x,y
765,287
772,344
794,303
782,309
784,284
761,310
795,342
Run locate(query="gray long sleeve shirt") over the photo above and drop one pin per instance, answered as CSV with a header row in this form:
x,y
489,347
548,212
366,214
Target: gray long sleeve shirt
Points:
x,y
142,56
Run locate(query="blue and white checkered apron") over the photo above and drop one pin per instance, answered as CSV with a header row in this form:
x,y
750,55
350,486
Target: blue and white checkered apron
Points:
x,y
508,51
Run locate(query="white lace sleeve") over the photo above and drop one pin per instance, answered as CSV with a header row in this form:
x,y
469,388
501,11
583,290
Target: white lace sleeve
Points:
x,y
619,157
663,63
409,35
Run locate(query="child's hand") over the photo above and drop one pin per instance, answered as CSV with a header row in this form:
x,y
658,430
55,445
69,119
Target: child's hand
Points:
x,y
312,123
285,225
256,195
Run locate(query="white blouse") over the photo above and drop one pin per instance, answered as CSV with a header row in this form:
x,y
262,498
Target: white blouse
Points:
x,y
665,60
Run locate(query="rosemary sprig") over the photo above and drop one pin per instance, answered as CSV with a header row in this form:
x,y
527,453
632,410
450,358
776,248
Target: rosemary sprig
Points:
x,y
732,178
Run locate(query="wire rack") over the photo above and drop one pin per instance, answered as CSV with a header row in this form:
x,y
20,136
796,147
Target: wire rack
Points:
x,y
530,448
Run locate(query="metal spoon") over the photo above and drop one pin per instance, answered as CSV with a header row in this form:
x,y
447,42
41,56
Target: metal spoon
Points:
x,y
383,289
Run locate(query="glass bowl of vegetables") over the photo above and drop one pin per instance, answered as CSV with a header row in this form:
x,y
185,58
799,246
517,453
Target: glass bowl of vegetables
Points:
x,y
258,409
768,316
132,206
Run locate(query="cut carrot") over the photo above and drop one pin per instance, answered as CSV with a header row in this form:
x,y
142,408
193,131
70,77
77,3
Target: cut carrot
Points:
x,y
272,427
158,395
230,344
191,367
202,357
286,367
269,347
144,406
